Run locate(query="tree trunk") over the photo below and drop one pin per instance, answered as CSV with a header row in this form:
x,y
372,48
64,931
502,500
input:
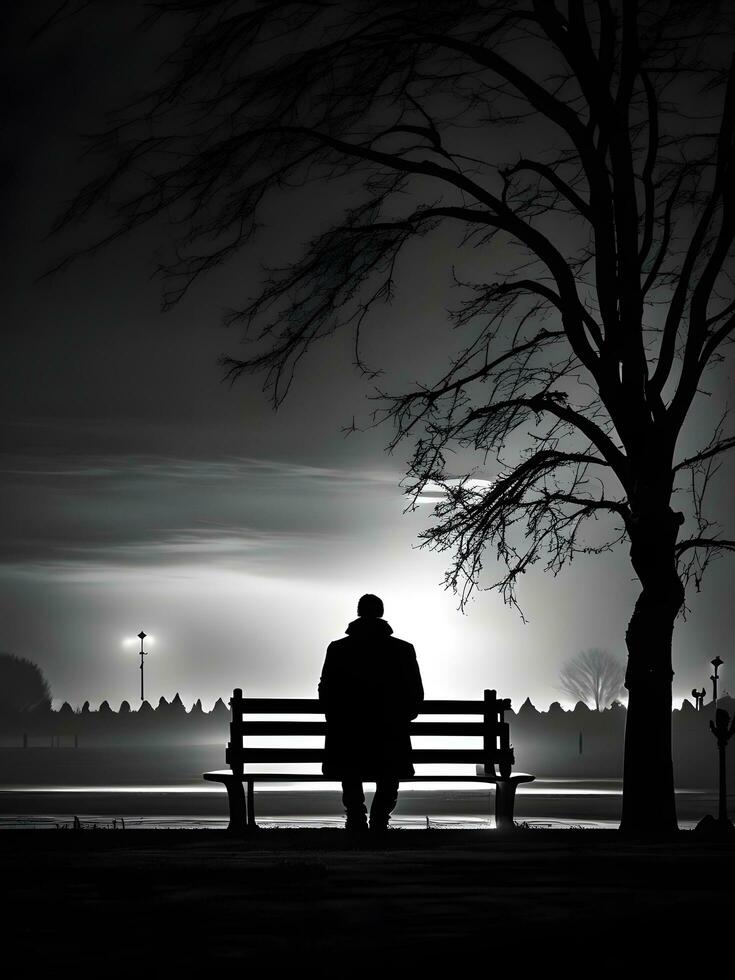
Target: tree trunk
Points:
x,y
648,777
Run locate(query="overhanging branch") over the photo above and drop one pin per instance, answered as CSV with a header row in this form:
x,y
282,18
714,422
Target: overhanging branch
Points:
x,y
712,544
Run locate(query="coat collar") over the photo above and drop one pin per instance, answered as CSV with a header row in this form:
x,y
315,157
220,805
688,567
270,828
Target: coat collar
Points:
x,y
369,626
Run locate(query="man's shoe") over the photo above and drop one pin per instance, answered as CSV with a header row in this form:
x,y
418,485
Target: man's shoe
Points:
x,y
357,825
378,826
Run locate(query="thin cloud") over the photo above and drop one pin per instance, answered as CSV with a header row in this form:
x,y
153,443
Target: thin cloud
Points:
x,y
155,510
138,467
208,543
245,550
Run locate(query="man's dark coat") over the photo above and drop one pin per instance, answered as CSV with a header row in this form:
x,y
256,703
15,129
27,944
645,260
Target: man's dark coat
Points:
x,y
371,689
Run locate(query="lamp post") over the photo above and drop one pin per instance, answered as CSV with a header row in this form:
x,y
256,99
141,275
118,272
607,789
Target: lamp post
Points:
x,y
722,729
716,663
141,637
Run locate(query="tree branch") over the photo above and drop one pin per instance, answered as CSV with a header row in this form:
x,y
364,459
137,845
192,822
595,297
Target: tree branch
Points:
x,y
555,406
717,544
720,447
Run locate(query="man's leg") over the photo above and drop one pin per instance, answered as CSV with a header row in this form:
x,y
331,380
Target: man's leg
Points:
x,y
353,799
384,801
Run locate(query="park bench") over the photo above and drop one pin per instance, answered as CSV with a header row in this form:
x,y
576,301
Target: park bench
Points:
x,y
492,728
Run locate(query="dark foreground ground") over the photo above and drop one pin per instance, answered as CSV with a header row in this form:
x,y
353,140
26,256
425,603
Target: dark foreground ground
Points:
x,y
423,903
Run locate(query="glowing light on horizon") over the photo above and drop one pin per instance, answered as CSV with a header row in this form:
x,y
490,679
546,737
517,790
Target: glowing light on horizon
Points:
x,y
435,493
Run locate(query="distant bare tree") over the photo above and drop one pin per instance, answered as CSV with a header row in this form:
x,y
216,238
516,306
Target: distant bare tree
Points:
x,y
593,676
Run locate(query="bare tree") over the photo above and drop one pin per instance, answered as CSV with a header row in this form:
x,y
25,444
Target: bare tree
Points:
x,y
594,676
585,151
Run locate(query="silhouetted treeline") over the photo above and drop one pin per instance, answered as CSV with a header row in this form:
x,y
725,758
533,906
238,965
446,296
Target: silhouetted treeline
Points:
x,y
579,742
582,742
169,721
23,686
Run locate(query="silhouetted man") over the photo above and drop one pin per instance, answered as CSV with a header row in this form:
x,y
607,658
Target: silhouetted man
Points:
x,y
371,689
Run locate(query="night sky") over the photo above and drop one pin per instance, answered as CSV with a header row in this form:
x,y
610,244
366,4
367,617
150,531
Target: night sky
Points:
x,y
140,491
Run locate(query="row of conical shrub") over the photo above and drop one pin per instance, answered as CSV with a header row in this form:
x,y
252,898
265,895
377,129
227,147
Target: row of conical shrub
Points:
x,y
175,708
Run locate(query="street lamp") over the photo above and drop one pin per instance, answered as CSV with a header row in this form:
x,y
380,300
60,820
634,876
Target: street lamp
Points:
x,y
722,729
716,663
141,637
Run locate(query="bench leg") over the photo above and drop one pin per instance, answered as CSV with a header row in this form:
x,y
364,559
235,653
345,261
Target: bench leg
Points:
x,y
505,795
236,800
252,825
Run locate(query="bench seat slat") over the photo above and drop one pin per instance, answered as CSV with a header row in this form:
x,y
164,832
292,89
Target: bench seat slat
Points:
x,y
445,728
223,775
317,755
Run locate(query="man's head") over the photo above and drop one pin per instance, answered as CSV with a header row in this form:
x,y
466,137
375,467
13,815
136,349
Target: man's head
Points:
x,y
370,607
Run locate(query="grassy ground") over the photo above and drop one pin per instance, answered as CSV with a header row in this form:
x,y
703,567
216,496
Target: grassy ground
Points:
x,y
428,901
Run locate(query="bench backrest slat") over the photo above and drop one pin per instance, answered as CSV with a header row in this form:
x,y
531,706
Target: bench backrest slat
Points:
x,y
311,706
315,728
317,755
